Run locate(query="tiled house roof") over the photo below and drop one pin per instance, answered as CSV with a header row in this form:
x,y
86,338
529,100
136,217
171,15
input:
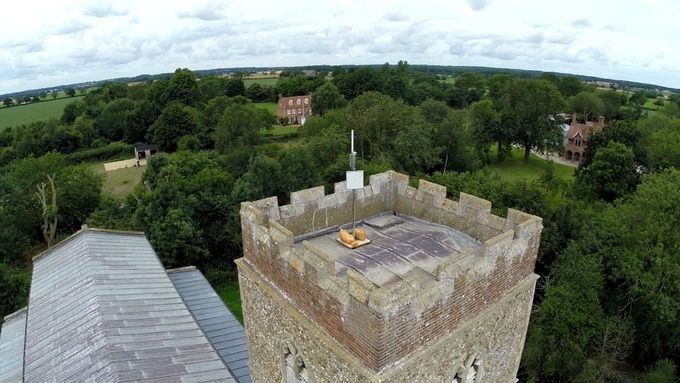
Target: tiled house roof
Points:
x,y
102,308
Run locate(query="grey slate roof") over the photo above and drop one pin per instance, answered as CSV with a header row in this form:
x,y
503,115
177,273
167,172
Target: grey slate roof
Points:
x,y
12,347
218,323
102,309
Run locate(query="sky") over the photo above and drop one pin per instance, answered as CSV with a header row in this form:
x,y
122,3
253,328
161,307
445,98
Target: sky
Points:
x,y
49,43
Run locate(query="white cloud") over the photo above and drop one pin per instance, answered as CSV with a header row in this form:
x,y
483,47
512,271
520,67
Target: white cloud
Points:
x,y
81,40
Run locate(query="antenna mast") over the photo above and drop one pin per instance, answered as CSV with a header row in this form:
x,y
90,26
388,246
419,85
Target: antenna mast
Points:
x,y
355,180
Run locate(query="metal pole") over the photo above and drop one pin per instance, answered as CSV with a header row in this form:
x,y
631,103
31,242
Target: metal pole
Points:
x,y
352,163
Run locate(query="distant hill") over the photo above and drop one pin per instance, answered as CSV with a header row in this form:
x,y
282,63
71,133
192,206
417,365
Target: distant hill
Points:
x,y
446,70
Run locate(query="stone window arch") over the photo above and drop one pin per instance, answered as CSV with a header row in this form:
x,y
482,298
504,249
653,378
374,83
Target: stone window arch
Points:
x,y
469,372
293,365
290,102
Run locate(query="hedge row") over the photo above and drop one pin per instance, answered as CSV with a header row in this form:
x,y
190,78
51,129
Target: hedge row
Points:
x,y
110,151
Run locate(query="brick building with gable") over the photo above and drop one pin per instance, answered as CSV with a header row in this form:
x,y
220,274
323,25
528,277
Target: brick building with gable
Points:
x,y
294,110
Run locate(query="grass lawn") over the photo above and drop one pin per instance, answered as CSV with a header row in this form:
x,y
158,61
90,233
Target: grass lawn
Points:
x,y
649,104
279,130
231,296
118,183
39,111
514,169
262,81
270,106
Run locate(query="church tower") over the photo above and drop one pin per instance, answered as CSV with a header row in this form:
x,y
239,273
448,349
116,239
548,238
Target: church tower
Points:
x,y
442,293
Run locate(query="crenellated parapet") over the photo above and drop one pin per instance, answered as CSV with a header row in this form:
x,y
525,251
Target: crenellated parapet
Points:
x,y
275,244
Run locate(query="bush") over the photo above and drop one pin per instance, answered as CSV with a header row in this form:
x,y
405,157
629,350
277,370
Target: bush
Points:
x,y
663,371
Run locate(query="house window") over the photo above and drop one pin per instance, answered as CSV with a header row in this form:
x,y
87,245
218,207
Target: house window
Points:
x,y
577,142
290,102
287,111
293,111
299,101
293,365
468,373
306,101
299,110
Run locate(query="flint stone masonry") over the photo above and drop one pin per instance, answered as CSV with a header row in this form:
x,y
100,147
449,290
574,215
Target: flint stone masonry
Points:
x,y
386,314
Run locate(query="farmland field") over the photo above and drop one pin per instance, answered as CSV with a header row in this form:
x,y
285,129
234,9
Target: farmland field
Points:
x,y
262,81
39,111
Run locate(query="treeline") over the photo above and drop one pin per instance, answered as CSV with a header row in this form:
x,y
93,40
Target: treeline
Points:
x,y
608,297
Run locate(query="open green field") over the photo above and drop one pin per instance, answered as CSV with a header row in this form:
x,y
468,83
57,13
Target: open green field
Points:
x,y
270,106
231,296
118,183
39,111
515,169
649,104
278,130
262,81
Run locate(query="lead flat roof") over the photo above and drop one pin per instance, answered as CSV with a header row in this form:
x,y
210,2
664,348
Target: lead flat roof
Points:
x,y
400,245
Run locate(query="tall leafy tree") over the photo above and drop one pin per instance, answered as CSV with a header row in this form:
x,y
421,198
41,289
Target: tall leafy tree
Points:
x,y
175,121
240,125
586,104
611,175
487,130
530,108
327,97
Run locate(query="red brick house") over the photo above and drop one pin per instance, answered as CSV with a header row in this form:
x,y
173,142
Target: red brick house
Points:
x,y
295,109
577,137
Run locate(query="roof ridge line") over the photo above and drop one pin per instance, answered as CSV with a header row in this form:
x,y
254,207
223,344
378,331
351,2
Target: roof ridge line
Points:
x,y
83,229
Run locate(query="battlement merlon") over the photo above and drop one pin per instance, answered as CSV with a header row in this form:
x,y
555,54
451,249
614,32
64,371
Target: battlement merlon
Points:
x,y
516,236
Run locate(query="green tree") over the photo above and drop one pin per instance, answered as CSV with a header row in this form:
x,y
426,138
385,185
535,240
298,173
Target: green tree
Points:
x,y
263,179
487,129
659,103
671,109
358,81
72,110
115,118
663,371
611,175
15,284
663,149
175,121
235,87
8,102
239,125
182,87
70,92
78,193
640,242
528,107
256,92
612,103
139,121
638,98
570,86
587,104
568,321
211,87
297,170
327,97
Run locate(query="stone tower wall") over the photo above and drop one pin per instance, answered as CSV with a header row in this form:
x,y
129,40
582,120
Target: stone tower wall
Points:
x,y
496,335
381,326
